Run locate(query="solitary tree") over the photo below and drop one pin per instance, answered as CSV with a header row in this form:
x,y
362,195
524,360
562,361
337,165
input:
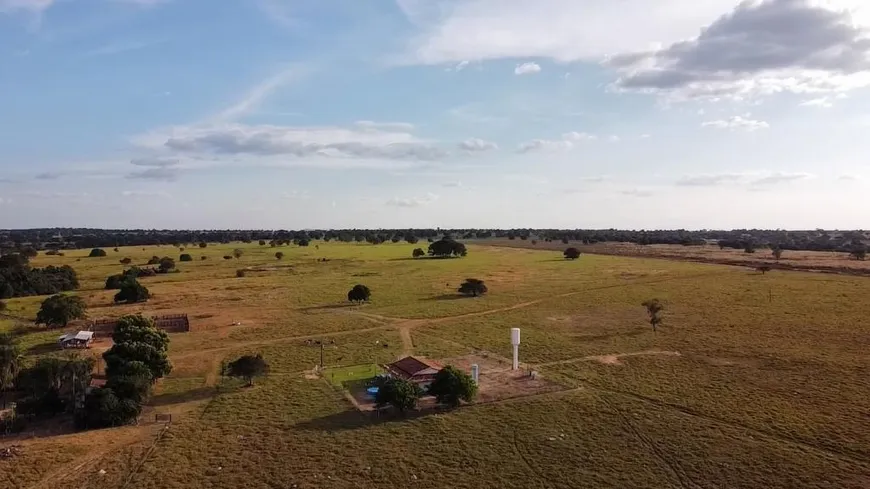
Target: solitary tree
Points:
x,y
185,257
359,293
126,261
418,252
166,264
859,253
749,247
654,308
764,269
447,247
247,367
776,251
238,252
572,253
154,260
401,394
132,292
279,255
451,386
473,287
58,310
10,363
262,242
203,244
97,253
228,257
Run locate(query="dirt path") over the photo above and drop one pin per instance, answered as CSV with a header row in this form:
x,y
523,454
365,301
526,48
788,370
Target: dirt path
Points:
x,y
407,342
612,359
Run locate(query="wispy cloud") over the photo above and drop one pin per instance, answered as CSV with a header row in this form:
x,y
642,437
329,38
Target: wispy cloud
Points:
x,y
412,202
475,145
737,122
565,143
257,95
121,47
710,180
781,177
635,192
163,174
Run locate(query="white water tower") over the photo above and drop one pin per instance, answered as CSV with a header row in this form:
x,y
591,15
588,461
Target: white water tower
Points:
x,y
475,373
515,342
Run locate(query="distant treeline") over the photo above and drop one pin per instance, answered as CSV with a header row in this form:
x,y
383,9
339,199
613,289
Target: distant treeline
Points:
x,y
19,279
67,238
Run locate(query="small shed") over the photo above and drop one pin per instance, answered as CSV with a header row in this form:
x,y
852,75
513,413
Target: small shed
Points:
x,y
414,369
82,339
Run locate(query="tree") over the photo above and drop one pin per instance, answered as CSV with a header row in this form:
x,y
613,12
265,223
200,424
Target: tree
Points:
x,y
54,384
279,255
203,244
58,310
136,328
859,253
185,257
97,253
228,257
571,253
359,293
446,247
411,239
303,242
154,260
401,394
248,367
451,386
262,242
654,308
103,408
240,273
238,252
121,354
126,261
418,252
749,247
776,251
132,292
114,282
132,381
473,287
10,363
764,269
166,264
3,306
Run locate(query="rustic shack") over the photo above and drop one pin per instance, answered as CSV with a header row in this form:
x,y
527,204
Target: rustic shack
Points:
x,y
82,339
420,371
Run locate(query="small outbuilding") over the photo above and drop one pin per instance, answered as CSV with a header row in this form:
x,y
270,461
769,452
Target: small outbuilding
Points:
x,y
82,339
415,369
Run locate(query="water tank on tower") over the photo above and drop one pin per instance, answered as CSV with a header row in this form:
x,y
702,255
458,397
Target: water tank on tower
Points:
x,y
515,343
475,373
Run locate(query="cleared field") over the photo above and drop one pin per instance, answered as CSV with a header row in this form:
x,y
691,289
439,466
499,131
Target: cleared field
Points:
x,y
752,381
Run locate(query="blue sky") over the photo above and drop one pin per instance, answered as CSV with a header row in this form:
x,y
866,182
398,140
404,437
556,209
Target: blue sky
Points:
x,y
419,113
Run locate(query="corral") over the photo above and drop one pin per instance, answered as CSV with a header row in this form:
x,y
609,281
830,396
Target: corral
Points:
x,y
751,381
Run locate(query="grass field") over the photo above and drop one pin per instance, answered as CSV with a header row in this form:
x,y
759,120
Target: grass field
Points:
x,y
753,381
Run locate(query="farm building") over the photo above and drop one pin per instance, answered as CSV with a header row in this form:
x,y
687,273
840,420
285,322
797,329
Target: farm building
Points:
x,y
82,339
171,323
417,370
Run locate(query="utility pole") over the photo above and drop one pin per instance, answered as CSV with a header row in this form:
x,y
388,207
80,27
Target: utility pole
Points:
x,y
321,355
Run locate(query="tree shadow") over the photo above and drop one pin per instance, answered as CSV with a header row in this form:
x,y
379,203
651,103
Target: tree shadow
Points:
x,y
343,305
353,420
43,348
197,394
446,297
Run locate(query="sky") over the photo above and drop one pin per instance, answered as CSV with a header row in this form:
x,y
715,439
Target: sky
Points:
x,y
292,114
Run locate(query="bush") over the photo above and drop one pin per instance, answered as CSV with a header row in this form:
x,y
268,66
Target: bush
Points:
x,y
228,257
262,242
114,282
132,292
401,394
166,264
473,287
126,261
572,254
447,247
240,273
359,293
154,260
418,252
279,255
247,367
238,252
203,244
3,306
97,253
203,257
185,257
104,409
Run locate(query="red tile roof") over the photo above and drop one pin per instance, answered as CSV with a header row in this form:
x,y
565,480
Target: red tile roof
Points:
x,y
411,366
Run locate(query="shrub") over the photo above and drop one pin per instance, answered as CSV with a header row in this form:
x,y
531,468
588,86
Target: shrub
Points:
x,y
238,252
154,260
203,244
473,287
240,273
104,409
247,367
166,264
203,257
185,257
572,254
401,394
3,306
126,261
418,252
262,242
97,253
279,255
228,257
447,247
114,282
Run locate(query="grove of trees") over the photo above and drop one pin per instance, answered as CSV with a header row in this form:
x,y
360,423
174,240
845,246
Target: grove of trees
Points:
x,y
19,279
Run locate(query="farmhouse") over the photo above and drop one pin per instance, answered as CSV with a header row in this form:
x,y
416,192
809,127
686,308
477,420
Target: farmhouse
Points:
x,y
415,369
82,339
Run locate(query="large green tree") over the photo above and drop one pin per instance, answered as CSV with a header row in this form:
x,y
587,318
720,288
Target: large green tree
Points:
x,y
247,367
452,386
58,310
572,253
401,394
359,293
447,247
54,384
121,354
104,408
138,328
473,287
132,292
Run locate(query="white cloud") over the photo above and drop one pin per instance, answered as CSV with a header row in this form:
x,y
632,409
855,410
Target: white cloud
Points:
x,y
737,122
412,202
154,162
562,30
710,180
475,145
258,94
781,177
635,192
565,143
121,47
385,126
163,174
527,69
821,102
759,48
849,177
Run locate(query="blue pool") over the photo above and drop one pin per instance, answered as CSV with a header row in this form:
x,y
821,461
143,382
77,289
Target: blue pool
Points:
x,y
372,391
